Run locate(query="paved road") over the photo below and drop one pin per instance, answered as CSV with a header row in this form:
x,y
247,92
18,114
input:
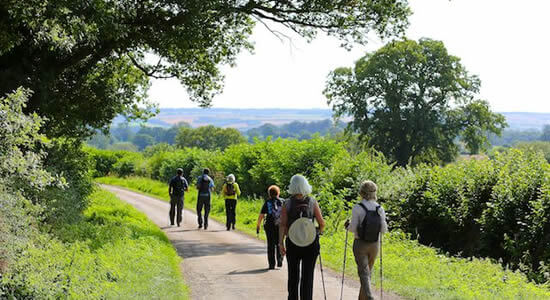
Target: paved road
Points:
x,y
218,264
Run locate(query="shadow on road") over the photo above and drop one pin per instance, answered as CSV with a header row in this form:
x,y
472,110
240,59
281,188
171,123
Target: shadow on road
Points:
x,y
255,271
195,248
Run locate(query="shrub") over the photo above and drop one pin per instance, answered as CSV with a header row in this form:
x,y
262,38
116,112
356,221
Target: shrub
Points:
x,y
129,163
102,161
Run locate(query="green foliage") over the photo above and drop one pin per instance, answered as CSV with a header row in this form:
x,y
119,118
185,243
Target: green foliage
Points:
x,y
539,146
479,120
154,149
295,129
442,276
102,161
20,144
411,99
493,208
113,252
87,60
21,174
142,140
510,137
208,137
270,162
65,203
124,146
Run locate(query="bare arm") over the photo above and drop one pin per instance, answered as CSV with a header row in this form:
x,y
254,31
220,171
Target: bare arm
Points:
x,y
260,219
283,230
319,217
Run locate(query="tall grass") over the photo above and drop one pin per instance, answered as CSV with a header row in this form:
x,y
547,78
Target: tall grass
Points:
x,y
114,252
410,269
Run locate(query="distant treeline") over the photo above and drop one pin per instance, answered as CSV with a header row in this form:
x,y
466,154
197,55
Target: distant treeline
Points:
x,y
137,138
298,130
510,137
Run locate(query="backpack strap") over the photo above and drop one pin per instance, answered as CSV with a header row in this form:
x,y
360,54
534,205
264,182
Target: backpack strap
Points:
x,y
366,210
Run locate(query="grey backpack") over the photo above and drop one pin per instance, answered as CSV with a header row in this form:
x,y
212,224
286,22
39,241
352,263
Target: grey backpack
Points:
x,y
369,229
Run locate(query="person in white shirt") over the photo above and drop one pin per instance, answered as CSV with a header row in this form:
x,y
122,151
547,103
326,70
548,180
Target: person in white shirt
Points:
x,y
366,244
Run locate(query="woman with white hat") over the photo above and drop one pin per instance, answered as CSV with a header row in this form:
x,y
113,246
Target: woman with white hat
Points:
x,y
302,245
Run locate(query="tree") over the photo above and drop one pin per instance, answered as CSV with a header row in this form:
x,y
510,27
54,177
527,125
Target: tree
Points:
x,y
209,137
477,121
411,100
142,140
88,61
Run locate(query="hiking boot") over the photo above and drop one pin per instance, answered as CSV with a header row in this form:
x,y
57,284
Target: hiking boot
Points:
x,y
200,226
233,226
279,264
271,267
178,224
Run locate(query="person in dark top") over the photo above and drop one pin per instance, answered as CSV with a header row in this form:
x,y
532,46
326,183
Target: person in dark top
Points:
x,y
271,212
178,186
301,249
205,186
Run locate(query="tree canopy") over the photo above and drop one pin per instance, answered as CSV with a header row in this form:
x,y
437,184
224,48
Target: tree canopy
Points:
x,y
411,100
88,61
208,137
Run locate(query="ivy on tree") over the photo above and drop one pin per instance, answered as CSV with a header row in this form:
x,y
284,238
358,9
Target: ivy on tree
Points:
x,y
88,61
411,100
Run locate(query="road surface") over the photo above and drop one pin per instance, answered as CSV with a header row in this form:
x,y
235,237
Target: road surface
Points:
x,y
218,264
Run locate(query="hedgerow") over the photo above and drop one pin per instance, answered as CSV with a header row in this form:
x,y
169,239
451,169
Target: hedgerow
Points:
x,y
496,208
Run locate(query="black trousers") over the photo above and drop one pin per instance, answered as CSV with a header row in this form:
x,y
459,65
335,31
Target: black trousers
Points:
x,y
203,201
176,201
272,235
230,207
301,267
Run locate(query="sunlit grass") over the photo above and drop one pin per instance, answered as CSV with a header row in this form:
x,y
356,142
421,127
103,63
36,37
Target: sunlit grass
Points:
x,y
114,252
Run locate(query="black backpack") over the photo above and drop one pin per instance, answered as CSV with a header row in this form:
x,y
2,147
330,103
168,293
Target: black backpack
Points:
x,y
370,227
179,185
204,186
229,189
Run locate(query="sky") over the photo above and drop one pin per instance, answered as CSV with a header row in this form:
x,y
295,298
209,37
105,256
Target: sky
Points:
x,y
506,43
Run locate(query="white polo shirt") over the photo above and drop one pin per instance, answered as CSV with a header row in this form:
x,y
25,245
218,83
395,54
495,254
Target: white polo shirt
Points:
x,y
358,214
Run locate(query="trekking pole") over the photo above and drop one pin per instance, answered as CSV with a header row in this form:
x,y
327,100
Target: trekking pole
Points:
x,y
344,267
322,276
381,271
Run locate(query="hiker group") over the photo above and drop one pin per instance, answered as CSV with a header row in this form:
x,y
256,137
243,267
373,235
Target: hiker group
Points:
x,y
289,226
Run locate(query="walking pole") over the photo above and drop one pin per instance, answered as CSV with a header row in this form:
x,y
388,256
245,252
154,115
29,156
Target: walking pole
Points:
x,y
344,267
322,276
381,271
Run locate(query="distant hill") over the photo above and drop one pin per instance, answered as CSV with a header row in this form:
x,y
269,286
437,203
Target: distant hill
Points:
x,y
242,119
245,119
526,121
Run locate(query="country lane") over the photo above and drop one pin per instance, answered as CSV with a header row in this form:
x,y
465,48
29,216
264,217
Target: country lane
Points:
x,y
220,264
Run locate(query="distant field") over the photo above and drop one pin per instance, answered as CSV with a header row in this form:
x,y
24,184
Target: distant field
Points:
x,y
244,119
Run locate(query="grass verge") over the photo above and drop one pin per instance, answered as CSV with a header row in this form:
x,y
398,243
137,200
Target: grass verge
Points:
x,y
114,252
410,269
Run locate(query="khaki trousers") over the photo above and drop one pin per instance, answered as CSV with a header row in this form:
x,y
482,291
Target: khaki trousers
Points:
x,y
365,254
